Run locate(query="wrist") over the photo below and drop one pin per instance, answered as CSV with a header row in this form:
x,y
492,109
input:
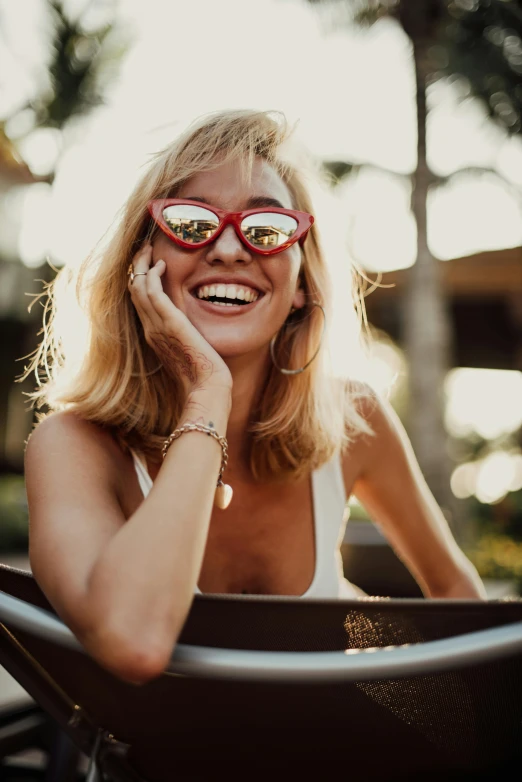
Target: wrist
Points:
x,y
467,585
209,404
222,394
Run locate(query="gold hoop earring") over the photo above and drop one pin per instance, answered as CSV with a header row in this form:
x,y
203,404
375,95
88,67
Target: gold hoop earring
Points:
x,y
301,369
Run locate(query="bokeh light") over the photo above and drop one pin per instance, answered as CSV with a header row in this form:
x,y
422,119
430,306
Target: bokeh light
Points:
x,y
485,401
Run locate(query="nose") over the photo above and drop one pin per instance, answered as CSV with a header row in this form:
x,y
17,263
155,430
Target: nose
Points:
x,y
228,248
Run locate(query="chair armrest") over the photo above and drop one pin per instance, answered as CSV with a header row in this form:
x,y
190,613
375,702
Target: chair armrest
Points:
x,y
351,665
389,662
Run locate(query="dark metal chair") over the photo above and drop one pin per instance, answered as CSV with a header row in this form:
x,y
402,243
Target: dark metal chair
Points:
x,y
278,688
371,563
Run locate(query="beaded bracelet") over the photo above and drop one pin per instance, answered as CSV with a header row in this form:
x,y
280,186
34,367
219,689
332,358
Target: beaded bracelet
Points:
x,y
223,495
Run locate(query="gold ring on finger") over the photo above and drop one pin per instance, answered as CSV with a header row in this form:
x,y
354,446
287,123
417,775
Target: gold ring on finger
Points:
x,y
132,274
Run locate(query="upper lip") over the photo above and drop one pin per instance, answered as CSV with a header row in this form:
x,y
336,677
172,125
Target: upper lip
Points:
x,y
225,280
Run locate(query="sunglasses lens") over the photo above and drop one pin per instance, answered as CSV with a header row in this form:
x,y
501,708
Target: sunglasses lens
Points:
x,y
191,224
266,230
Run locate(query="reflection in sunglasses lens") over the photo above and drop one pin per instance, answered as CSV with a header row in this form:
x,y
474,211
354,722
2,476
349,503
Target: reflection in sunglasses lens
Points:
x,y
268,229
195,224
191,224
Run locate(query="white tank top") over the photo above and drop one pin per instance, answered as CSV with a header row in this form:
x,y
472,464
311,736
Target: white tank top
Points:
x,y
330,517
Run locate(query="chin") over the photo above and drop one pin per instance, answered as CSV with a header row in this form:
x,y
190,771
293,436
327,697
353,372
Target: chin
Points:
x,y
229,349
234,345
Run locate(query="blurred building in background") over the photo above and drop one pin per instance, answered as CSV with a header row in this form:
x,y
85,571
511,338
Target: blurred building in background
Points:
x,y
484,292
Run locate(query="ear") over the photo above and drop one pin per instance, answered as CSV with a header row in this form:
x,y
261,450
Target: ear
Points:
x,y
299,299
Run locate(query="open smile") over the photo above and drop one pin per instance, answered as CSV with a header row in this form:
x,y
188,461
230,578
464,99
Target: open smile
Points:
x,y
226,299
221,307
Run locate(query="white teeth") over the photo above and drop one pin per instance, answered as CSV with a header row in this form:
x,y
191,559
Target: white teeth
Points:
x,y
230,291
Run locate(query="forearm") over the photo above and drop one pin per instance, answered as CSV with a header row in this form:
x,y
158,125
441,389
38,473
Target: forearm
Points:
x,y
142,586
466,584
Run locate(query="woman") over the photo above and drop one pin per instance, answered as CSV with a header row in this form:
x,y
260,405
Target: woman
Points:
x,y
205,323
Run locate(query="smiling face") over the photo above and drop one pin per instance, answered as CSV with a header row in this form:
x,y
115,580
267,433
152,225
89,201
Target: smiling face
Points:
x,y
241,329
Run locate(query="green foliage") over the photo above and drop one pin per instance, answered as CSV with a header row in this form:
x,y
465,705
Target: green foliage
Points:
x,y
357,511
362,12
72,70
337,170
369,12
498,556
503,517
14,521
83,63
483,44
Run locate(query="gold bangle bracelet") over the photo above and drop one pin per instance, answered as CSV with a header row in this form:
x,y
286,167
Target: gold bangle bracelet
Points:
x,y
223,494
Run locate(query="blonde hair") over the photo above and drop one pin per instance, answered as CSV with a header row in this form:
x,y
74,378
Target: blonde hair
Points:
x,y
298,422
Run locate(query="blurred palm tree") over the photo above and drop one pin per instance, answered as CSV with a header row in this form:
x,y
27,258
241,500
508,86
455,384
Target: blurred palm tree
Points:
x,y
84,52
479,41
84,60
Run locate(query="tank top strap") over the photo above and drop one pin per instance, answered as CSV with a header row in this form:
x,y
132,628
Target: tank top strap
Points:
x,y
330,498
144,479
336,467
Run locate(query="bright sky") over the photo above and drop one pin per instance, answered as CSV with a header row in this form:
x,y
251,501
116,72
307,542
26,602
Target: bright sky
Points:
x,y
353,99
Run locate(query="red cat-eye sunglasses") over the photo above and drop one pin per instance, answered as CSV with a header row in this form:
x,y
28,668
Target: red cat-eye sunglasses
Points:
x,y
266,230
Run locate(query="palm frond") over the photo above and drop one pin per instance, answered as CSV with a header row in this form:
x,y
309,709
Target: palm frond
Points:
x,y
74,68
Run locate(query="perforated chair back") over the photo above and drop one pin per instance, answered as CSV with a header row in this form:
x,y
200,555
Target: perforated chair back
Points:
x,y
457,721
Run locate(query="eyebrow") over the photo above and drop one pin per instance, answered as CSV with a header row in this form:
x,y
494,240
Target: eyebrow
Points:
x,y
252,203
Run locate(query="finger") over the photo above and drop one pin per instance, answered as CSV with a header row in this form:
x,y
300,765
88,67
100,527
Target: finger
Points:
x,y
154,307
161,303
138,292
140,266
152,291
143,257
144,314
159,267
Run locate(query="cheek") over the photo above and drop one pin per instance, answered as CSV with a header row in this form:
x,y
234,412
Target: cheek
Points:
x,y
163,248
179,263
286,270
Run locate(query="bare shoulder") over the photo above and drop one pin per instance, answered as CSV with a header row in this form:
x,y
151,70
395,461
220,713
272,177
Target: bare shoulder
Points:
x,y
66,427
67,441
364,397
384,429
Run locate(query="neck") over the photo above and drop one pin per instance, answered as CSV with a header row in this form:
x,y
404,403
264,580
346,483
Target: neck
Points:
x,y
248,375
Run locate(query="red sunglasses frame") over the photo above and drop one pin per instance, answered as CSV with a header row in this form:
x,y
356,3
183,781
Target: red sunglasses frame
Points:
x,y
304,223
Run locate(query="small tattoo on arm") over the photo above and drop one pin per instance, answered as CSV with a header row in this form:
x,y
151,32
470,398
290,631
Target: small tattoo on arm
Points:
x,y
182,358
192,407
